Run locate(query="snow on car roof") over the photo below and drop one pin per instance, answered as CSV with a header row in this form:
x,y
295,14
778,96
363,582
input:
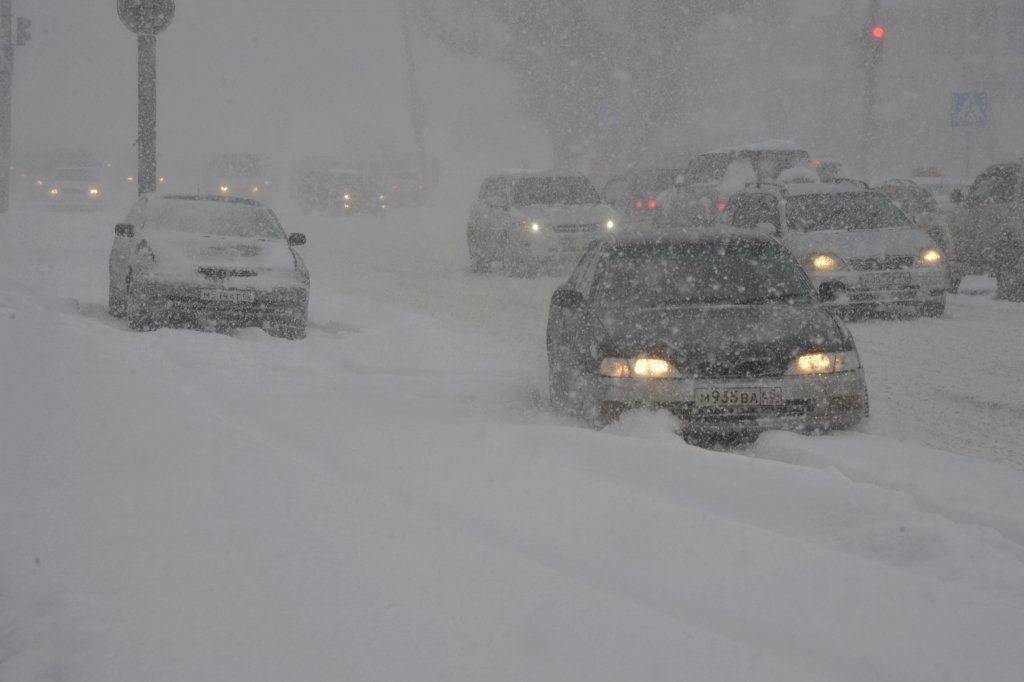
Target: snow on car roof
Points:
x,y
160,198
698,235
802,188
764,146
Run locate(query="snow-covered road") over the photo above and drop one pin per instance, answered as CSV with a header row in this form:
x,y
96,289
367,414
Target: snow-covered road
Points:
x,y
390,499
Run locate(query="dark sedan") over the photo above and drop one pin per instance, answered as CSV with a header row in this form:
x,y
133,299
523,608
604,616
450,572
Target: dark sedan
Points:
x,y
720,327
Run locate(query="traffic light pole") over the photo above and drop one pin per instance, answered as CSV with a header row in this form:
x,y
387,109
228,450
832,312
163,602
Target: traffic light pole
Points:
x,y
873,42
6,76
417,113
147,113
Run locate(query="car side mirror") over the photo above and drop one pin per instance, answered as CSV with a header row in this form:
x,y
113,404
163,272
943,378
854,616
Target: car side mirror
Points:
x,y
296,239
567,298
124,230
956,196
768,228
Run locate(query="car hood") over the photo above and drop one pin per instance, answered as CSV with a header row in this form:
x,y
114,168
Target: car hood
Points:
x,y
861,243
728,340
565,214
184,254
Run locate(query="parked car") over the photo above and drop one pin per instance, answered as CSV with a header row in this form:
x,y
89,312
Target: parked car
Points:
x,y
240,175
719,326
405,187
988,228
74,189
860,251
207,261
531,221
634,194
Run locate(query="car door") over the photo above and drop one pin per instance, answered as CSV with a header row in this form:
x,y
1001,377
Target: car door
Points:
x,y
124,245
577,330
989,206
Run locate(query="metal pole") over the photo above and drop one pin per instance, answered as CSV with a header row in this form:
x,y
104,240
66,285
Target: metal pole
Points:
x,y
417,113
6,75
147,113
870,129
967,154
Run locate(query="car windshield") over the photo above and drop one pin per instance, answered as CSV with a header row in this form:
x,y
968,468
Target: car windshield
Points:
x,y
75,175
214,219
237,166
554,190
656,275
842,211
655,182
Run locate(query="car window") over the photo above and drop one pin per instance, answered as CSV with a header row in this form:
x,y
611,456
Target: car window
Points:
x,y
652,183
996,186
212,218
569,190
749,210
706,168
656,275
615,190
842,211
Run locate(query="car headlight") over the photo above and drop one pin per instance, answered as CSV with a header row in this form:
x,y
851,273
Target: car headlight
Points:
x,y
825,262
54,192
224,189
610,224
255,189
94,191
535,227
347,197
824,363
930,256
642,367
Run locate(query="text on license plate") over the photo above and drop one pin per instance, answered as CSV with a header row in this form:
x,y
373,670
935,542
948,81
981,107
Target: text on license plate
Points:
x,y
885,280
729,397
227,295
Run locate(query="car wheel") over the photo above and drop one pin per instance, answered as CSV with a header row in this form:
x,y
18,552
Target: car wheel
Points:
x,y
934,308
139,319
1010,280
479,261
292,332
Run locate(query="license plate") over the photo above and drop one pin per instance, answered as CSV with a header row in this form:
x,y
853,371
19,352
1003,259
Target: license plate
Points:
x,y
885,280
738,397
227,295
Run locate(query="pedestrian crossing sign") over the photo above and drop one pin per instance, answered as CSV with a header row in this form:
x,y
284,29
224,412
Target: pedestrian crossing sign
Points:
x,y
970,109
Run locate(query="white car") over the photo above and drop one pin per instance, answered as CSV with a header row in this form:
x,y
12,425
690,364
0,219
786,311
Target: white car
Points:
x,y
207,261
531,221
858,248
74,189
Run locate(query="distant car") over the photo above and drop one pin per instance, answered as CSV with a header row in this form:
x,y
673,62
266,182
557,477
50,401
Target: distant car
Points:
x,y
634,194
988,228
240,175
74,189
712,177
207,261
405,188
721,327
531,221
920,204
343,191
860,251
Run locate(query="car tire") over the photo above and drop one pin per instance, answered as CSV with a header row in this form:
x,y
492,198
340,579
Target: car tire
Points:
x,y
514,264
139,319
1010,280
933,308
479,261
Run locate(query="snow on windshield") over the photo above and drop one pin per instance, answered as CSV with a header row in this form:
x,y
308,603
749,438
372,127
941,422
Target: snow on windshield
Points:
x,y
842,211
213,219
552,191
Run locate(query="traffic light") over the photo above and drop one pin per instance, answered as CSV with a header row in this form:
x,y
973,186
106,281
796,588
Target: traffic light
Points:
x,y
23,35
878,32
874,41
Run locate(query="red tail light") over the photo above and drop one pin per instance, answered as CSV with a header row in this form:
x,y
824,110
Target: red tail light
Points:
x,y
639,203
652,204
721,207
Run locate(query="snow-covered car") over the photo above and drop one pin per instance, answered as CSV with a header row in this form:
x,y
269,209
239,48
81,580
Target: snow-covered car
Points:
x,y
719,326
206,261
240,175
340,191
860,251
634,194
74,189
530,221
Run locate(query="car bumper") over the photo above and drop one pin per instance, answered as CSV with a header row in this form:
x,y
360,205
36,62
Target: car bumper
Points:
x,y
881,288
75,203
809,403
170,303
559,247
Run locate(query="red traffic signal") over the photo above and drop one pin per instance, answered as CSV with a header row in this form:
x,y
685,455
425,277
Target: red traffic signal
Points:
x,y
878,32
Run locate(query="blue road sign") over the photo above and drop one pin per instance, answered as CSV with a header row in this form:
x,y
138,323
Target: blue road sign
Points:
x,y
970,109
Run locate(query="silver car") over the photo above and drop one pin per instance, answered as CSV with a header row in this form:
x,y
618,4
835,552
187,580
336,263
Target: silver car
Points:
x,y
198,261
860,251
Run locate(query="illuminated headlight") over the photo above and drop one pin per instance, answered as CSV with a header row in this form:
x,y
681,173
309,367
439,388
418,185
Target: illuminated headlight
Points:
x,y
930,257
824,363
224,189
160,179
129,179
825,262
535,227
639,368
610,224
54,192
347,197
39,183
381,197
93,191
255,189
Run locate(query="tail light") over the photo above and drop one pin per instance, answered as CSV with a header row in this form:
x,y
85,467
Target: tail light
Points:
x,y
652,204
639,203
721,207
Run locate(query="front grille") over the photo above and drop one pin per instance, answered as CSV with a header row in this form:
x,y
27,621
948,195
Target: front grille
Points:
x,y
71,190
589,227
224,273
883,263
792,408
742,368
